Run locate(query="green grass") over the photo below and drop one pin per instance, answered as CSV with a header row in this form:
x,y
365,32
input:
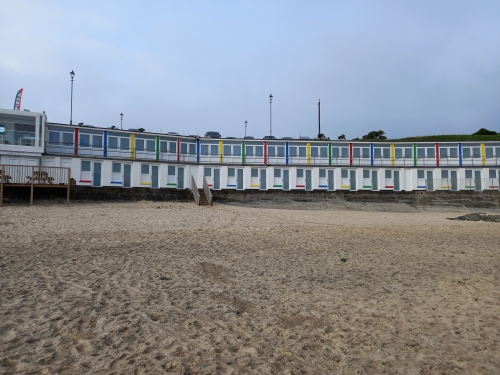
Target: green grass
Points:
x,y
441,138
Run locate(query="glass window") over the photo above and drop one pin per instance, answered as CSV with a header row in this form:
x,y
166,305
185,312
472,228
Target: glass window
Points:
x,y
67,138
493,173
323,152
378,153
237,150
421,152
117,167
302,152
192,149
230,172
254,172
322,173
398,153
388,173
249,150
300,173
466,152
171,170
227,150
356,152
366,153
489,152
204,149
207,172
259,150
420,174
281,151
277,172
476,152
144,168
454,152
139,144
335,152
97,141
443,153
431,152
345,152
54,137
85,165
314,152
293,151
344,173
271,151
84,140
408,153
366,173
172,147
468,174
113,142
184,148
444,173
497,152
150,146
124,143
214,150
164,146
386,153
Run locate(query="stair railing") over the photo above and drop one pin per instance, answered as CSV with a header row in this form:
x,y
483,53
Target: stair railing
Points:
x,y
194,190
207,191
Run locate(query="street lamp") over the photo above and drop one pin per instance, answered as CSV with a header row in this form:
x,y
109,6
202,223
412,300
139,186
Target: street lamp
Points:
x,y
270,115
121,121
246,123
72,74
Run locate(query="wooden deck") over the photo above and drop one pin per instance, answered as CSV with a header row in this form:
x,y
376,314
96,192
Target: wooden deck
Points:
x,y
34,177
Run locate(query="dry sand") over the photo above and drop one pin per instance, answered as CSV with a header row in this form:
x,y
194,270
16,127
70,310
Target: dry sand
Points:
x,y
175,288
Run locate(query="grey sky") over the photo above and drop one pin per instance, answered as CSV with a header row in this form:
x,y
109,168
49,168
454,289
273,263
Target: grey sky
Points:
x,y
406,67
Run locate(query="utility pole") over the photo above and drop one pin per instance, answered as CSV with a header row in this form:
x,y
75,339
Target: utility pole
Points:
x,y
270,115
246,123
319,119
72,75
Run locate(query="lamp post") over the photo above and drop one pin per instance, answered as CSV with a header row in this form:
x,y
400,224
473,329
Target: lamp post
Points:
x,y
121,121
72,74
319,119
246,123
270,115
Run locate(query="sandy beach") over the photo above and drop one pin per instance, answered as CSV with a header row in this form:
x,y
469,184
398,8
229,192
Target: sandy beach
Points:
x,y
172,288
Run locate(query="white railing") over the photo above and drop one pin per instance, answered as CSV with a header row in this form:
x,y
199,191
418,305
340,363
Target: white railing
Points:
x,y
477,184
207,191
28,175
194,190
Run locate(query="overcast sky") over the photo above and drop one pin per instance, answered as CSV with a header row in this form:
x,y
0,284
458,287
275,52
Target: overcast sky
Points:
x,y
405,67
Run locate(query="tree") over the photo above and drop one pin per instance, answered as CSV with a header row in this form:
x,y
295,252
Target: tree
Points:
x,y
374,134
141,130
80,123
321,136
113,127
484,131
341,137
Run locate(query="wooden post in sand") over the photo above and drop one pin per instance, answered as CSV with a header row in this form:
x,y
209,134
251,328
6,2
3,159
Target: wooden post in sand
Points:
x,y
2,173
32,182
69,183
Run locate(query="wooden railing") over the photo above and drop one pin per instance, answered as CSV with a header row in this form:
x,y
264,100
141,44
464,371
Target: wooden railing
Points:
x,y
207,191
194,190
24,175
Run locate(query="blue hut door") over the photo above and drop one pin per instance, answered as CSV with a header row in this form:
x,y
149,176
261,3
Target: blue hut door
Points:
x,y
96,181
331,185
286,179
263,181
216,179
308,179
239,179
180,177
